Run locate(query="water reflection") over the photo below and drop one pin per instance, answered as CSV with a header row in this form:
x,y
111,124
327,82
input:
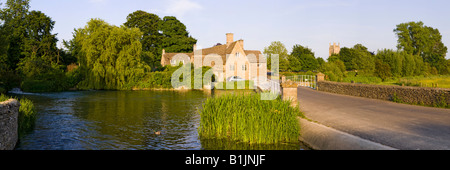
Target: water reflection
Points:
x,y
115,120
125,120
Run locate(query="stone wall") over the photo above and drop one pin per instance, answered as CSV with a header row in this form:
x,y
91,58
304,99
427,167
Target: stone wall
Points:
x,y
411,95
9,112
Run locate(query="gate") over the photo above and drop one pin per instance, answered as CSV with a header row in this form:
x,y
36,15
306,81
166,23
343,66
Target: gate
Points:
x,y
309,81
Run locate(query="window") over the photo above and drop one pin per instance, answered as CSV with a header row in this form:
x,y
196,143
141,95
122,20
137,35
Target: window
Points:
x,y
244,67
238,55
175,62
232,67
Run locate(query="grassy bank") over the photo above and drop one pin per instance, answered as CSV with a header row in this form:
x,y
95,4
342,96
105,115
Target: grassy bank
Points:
x,y
441,81
27,114
247,118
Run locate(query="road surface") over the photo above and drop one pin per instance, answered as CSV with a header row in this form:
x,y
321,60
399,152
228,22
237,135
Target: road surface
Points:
x,y
400,126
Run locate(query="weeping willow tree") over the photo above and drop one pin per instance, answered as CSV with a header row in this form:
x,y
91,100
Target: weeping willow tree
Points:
x,y
110,57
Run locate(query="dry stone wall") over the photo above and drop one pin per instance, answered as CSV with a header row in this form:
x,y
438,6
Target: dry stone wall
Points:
x,y
411,95
9,112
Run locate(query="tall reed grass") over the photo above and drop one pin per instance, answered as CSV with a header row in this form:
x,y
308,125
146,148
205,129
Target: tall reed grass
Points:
x,y
247,118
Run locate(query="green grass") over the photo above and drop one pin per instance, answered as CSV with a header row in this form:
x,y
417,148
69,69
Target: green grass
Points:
x,y
442,81
4,98
248,119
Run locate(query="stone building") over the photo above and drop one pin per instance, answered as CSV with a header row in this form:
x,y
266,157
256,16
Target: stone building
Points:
x,y
335,49
230,59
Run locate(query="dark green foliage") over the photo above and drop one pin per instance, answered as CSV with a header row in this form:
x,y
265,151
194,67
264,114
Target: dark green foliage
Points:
x,y
401,64
29,57
382,70
169,34
149,25
156,80
303,58
41,76
175,36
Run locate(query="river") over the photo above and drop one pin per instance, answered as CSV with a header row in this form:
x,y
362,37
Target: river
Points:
x,y
123,120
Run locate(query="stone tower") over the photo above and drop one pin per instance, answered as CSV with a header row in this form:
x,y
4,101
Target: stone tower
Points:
x,y
335,49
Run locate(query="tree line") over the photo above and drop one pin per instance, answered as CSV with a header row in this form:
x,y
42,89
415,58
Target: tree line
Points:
x,y
99,56
420,51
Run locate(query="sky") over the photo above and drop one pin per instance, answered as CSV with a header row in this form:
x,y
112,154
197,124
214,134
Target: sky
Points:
x,y
311,23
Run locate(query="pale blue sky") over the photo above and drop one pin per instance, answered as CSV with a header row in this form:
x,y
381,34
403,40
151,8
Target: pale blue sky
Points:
x,y
313,23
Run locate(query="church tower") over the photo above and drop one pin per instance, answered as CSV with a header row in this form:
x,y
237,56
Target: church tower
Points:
x,y
335,49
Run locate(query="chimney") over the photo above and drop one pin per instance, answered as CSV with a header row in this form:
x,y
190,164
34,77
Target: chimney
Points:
x,y
229,38
164,51
195,47
241,41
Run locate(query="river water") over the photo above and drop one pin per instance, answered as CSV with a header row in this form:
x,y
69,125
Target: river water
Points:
x,y
123,120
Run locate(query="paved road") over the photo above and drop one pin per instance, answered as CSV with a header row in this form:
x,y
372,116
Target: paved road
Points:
x,y
396,125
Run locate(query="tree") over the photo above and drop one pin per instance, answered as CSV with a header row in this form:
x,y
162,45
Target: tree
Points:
x,y
294,64
110,56
149,24
382,70
13,17
417,39
358,58
321,62
393,59
169,34
306,57
277,48
39,40
28,49
334,69
175,36
346,55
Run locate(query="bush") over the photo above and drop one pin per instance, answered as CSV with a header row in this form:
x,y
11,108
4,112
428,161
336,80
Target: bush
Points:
x,y
74,77
156,80
247,118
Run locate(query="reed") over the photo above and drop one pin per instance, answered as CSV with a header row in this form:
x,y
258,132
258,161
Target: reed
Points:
x,y
246,118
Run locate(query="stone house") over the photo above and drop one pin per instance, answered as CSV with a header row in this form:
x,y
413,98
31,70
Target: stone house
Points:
x,y
230,59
